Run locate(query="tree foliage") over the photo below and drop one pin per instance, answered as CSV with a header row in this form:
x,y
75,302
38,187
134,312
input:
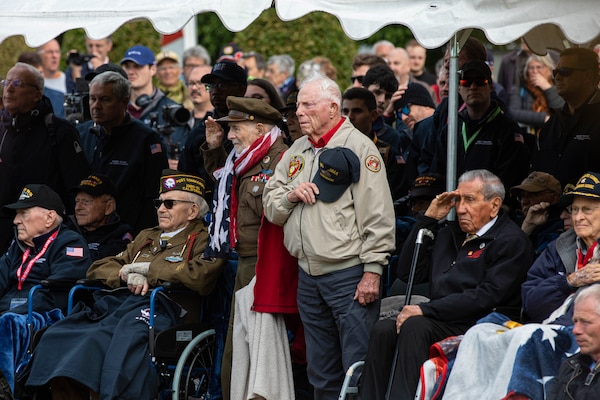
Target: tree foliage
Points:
x,y
135,32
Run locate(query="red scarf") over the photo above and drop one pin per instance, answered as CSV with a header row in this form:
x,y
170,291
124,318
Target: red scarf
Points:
x,y
246,160
582,260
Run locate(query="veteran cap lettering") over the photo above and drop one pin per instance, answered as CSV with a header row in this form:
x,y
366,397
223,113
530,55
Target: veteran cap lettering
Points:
x,y
338,168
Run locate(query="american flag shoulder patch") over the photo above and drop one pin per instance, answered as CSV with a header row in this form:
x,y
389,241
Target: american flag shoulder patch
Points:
x,y
75,251
155,148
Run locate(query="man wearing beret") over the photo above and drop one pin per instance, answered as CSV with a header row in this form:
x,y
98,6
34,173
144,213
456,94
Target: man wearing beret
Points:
x,y
96,217
225,79
43,248
118,340
330,193
241,178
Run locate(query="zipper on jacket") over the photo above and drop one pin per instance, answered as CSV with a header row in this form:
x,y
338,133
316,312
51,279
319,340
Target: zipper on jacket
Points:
x,y
312,166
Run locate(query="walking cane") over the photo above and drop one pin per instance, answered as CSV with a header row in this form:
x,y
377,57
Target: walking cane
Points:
x,y
411,278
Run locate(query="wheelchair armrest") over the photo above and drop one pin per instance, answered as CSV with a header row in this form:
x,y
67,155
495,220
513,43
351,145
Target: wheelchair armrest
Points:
x,y
92,283
175,287
58,283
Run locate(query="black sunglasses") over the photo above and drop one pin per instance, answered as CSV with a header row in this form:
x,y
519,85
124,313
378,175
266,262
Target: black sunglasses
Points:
x,y
565,71
357,78
169,203
477,81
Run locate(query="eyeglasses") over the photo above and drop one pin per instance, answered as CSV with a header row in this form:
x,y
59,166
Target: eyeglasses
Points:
x,y
358,78
565,71
168,67
221,86
406,109
585,210
168,203
16,83
478,82
194,83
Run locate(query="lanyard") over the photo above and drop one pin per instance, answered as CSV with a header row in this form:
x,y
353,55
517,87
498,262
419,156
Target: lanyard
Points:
x,y
468,142
22,277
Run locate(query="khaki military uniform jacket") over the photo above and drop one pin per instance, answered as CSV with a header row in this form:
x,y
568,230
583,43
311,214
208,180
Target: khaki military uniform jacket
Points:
x,y
180,261
250,190
356,229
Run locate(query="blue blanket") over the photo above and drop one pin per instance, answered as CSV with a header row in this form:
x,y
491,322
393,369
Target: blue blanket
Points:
x,y
15,338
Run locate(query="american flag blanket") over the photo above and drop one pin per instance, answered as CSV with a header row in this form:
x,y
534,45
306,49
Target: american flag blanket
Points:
x,y
498,358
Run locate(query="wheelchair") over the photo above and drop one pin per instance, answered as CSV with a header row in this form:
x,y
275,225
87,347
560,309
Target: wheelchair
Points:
x,y
186,358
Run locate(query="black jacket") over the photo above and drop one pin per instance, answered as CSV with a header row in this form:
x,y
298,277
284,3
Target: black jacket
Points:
x,y
570,383
133,158
498,147
467,282
106,240
37,149
569,144
66,257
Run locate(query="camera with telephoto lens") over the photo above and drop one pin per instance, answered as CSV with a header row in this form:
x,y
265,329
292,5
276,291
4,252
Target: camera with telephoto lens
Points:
x,y
77,58
77,104
172,115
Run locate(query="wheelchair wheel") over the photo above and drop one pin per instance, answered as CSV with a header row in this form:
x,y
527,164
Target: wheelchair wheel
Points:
x,y
193,372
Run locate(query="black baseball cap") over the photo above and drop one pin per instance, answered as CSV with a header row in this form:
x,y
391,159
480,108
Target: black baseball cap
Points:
x,y
104,68
227,71
338,168
38,195
96,185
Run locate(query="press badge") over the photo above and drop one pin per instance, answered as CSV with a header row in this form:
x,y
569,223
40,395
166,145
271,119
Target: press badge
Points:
x,y
17,301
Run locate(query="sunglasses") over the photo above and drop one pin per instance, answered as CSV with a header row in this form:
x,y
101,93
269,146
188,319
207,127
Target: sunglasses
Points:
x,y
476,81
565,71
169,203
406,109
357,78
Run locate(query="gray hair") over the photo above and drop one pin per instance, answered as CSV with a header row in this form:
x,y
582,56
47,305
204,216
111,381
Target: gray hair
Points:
x,y
381,43
305,69
284,63
329,89
59,219
544,60
121,86
37,76
198,200
196,51
589,291
492,185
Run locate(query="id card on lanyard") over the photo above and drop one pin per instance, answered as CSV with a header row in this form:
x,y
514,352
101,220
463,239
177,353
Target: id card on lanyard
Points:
x,y
23,274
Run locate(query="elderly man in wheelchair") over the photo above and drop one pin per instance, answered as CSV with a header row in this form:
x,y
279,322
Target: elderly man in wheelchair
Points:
x,y
102,350
43,249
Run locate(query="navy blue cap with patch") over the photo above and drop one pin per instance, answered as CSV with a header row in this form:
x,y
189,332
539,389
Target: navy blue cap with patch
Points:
x,y
338,168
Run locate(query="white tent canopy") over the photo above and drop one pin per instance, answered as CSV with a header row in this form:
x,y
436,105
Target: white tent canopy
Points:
x,y
543,23
433,22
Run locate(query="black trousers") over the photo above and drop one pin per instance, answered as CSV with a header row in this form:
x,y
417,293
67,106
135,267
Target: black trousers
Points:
x,y
412,345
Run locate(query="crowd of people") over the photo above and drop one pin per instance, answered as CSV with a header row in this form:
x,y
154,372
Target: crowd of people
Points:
x,y
172,164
